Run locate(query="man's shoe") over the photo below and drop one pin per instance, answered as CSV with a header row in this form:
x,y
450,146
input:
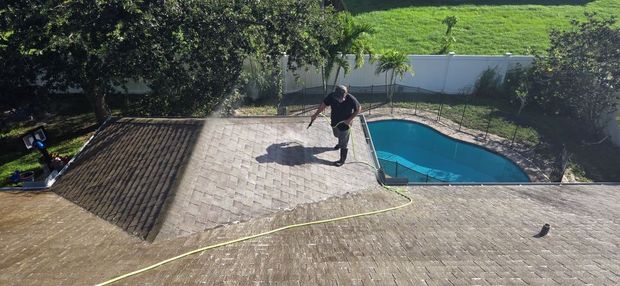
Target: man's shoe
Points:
x,y
343,157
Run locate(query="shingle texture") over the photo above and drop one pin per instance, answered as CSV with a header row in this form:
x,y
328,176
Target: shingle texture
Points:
x,y
251,167
161,178
449,236
129,169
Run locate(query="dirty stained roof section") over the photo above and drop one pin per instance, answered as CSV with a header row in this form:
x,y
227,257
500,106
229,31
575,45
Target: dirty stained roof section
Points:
x,y
162,178
126,173
450,235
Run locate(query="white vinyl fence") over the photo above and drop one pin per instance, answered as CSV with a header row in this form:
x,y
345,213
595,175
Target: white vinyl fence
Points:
x,y
450,74
613,127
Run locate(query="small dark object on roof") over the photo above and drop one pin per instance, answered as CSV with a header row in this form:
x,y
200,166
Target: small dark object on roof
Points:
x,y
544,231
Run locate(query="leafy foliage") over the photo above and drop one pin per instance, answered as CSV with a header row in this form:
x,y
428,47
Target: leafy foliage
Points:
x,y
488,84
90,45
351,38
191,53
398,64
517,86
580,74
18,74
448,39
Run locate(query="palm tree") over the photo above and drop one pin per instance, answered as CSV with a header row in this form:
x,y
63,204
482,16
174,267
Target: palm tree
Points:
x,y
398,64
448,39
353,39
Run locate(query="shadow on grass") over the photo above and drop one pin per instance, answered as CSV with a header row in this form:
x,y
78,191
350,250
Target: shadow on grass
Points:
x,y
365,6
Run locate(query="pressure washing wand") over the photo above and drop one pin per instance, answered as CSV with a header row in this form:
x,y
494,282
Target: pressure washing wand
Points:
x,y
311,121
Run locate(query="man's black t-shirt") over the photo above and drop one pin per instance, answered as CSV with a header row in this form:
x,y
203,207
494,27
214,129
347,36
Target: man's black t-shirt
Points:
x,y
341,110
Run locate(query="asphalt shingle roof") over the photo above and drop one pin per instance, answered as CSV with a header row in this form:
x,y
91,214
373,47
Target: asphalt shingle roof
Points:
x,y
128,170
449,236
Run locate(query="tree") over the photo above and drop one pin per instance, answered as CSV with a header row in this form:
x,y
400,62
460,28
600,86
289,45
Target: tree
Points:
x,y
90,45
517,86
352,39
236,31
18,74
580,74
398,64
189,52
448,38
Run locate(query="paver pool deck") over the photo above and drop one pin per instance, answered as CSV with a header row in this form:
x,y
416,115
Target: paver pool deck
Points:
x,y
450,235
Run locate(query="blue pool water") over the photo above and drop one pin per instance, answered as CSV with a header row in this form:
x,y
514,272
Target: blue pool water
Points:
x,y
420,153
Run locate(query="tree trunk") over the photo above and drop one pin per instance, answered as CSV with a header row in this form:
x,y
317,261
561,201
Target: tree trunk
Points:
x,y
338,71
96,94
337,74
387,85
521,106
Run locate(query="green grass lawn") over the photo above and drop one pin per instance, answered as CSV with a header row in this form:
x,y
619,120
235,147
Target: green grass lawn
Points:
x,y
29,161
488,27
67,133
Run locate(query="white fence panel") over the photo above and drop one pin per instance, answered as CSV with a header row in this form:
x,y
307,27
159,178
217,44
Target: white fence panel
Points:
x,y
451,74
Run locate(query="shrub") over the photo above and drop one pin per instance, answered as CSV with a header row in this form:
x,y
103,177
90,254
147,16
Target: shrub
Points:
x,y
488,84
516,86
581,73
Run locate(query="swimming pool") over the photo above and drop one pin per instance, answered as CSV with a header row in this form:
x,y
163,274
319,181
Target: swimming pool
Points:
x,y
422,154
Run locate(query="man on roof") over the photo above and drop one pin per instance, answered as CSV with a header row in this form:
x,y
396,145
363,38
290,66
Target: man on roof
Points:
x,y
344,108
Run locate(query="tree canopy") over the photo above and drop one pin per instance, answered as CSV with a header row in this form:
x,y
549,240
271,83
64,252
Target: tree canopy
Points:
x,y
398,64
190,52
580,74
351,38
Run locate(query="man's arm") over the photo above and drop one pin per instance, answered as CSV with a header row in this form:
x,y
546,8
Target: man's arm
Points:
x,y
318,110
358,109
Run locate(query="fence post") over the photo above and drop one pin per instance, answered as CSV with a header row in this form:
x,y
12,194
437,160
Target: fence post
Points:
x,y
514,136
449,57
303,97
125,104
396,164
505,66
391,98
440,108
372,92
486,133
462,116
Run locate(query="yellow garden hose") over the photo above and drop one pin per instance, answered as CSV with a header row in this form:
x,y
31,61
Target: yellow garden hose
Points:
x,y
397,191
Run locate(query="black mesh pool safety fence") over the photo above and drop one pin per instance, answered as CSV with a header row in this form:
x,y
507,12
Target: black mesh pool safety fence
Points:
x,y
481,117
462,109
397,170
303,101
